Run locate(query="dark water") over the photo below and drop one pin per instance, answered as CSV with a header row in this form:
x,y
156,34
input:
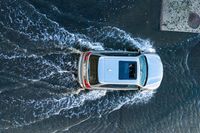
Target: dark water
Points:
x,y
40,42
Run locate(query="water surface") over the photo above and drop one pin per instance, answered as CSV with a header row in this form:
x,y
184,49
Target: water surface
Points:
x,y
40,42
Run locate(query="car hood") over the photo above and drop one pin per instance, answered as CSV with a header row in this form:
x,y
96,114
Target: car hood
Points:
x,y
155,71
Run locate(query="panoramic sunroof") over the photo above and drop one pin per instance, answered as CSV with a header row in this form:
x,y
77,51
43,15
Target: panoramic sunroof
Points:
x,y
127,70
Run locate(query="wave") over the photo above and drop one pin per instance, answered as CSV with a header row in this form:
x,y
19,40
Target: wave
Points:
x,y
24,19
92,104
57,67
113,37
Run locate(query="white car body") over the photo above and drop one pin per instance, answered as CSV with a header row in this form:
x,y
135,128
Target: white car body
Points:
x,y
119,70
155,73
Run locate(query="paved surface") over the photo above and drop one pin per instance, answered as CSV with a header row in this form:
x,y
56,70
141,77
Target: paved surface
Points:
x,y
180,15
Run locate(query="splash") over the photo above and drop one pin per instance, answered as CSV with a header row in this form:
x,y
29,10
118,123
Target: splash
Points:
x,y
91,104
59,67
43,109
27,21
113,36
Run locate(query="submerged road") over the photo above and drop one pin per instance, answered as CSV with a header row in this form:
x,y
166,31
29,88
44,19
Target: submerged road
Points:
x,y
40,42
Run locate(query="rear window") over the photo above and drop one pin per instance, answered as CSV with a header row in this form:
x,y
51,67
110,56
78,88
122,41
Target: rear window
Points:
x,y
93,69
127,70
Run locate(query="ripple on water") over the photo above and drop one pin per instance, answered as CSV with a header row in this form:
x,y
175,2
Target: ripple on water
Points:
x,y
26,65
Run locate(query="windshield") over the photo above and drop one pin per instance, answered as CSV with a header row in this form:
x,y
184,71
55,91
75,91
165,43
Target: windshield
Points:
x,y
143,70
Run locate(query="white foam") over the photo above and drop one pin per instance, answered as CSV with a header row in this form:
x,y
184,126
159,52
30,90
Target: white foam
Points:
x,y
22,21
55,105
69,127
123,38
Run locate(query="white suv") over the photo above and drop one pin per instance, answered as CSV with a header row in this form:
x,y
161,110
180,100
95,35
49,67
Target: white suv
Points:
x,y
120,70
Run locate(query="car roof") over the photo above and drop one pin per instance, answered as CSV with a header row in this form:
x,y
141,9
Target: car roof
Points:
x,y
108,70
